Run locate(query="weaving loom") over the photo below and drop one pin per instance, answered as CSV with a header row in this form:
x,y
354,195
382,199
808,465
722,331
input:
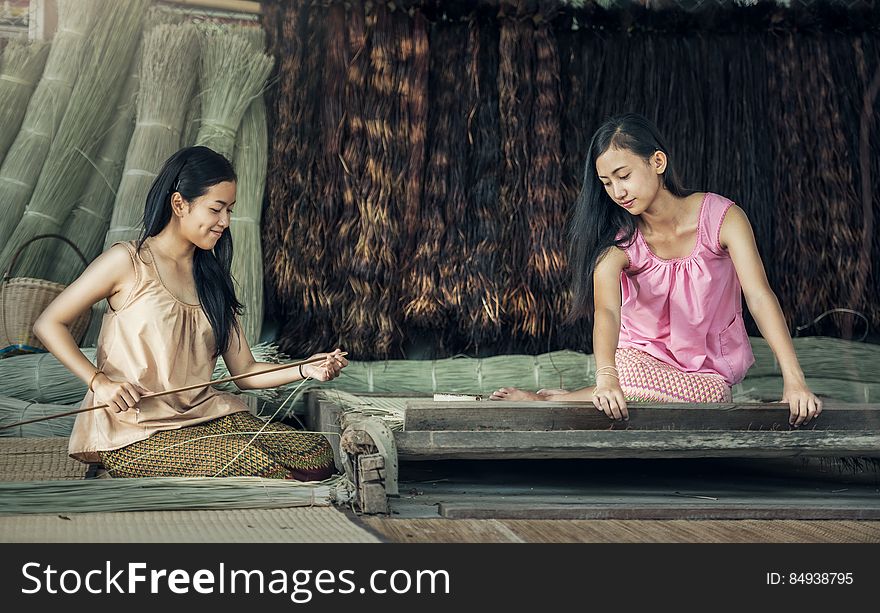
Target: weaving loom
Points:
x,y
380,431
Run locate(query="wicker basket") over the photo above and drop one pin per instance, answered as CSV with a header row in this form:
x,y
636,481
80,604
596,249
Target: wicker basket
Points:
x,y
23,299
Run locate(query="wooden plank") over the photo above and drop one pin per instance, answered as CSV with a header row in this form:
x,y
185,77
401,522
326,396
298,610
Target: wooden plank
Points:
x,y
867,510
633,444
623,531
553,416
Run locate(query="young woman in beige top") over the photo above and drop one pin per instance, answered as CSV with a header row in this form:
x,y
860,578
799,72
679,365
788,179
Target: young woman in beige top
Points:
x,y
173,312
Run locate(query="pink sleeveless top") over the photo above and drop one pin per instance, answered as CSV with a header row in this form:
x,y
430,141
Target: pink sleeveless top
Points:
x,y
687,312
160,343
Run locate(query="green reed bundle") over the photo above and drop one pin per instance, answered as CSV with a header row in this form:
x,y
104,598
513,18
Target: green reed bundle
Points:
x,y
41,378
13,411
23,64
111,46
169,61
251,157
87,224
25,158
167,493
232,74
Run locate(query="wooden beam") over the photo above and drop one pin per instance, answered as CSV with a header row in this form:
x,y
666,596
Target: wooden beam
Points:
x,y
554,416
422,445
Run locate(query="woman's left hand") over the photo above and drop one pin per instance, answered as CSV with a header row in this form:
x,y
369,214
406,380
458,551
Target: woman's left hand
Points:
x,y
803,404
328,369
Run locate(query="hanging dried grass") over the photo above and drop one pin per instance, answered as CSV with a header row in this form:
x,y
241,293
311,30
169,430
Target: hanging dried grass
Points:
x,y
480,319
329,175
112,43
819,236
23,65
292,258
25,158
516,100
547,209
431,281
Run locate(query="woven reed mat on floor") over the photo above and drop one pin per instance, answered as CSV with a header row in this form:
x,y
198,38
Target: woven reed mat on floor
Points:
x,y
38,459
294,525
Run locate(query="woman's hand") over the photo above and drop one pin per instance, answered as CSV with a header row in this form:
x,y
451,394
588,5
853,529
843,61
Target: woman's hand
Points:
x,y
803,404
117,395
328,369
513,394
608,397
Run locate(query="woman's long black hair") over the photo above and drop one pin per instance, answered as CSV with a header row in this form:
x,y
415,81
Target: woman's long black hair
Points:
x,y
192,171
597,220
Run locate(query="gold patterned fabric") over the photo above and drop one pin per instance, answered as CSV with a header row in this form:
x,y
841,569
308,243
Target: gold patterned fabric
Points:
x,y
224,447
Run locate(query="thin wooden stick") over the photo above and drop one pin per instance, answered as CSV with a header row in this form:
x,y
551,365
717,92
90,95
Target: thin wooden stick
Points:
x,y
175,391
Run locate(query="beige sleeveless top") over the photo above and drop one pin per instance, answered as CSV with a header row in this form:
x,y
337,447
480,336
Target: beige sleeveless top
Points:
x,y
159,343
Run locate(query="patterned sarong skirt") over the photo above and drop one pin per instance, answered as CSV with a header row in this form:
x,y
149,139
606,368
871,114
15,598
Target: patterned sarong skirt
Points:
x,y
226,447
644,378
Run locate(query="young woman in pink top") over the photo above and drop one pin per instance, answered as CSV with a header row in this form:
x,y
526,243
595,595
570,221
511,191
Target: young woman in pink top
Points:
x,y
664,269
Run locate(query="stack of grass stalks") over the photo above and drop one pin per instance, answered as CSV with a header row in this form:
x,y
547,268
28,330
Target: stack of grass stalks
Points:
x,y
112,43
169,61
25,158
22,65
251,157
232,73
168,493
41,378
170,56
13,411
87,224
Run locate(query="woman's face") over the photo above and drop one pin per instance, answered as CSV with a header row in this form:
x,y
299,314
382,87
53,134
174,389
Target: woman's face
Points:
x,y
630,181
206,218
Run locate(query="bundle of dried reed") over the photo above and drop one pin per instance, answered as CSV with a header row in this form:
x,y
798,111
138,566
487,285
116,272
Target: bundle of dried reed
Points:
x,y
22,64
108,57
25,158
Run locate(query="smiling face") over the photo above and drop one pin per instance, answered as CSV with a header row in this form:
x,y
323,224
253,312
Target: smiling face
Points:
x,y
203,220
630,181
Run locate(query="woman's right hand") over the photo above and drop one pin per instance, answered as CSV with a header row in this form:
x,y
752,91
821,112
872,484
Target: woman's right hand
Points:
x,y
117,395
608,397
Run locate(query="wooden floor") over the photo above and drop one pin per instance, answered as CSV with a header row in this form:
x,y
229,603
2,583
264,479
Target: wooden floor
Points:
x,y
623,531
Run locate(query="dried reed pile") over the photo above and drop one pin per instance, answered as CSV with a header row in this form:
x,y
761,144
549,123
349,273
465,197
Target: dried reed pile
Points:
x,y
20,69
64,175
25,158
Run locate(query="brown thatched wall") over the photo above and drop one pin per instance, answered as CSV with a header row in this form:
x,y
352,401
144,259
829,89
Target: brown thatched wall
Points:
x,y
424,157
